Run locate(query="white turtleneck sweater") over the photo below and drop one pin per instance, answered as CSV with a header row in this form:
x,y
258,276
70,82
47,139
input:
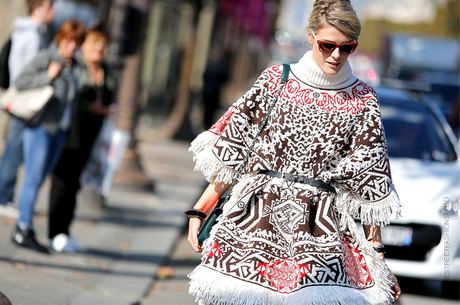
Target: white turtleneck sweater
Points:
x,y
309,72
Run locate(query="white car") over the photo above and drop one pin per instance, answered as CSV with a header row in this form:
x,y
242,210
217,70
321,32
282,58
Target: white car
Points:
x,y
425,166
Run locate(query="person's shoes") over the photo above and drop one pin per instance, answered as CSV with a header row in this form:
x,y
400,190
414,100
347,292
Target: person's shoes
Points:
x,y
27,239
8,210
64,243
4,300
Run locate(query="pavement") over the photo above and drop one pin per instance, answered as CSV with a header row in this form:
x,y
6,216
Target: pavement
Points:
x,y
138,252
129,239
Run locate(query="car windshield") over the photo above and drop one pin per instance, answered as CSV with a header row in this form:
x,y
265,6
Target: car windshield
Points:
x,y
413,131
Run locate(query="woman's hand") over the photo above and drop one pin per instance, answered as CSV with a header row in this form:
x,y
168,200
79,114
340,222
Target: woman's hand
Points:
x,y
99,109
54,69
396,289
193,228
207,200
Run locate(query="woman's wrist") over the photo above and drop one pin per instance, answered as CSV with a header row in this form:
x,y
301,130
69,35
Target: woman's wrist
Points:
x,y
196,213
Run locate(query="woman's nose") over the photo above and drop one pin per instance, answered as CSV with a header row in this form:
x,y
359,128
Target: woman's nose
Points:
x,y
336,53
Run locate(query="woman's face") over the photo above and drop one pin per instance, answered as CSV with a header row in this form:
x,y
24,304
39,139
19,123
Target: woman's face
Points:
x,y
330,63
93,48
45,12
67,47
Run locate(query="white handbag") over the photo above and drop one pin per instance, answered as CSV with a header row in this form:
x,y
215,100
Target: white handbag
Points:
x,y
26,104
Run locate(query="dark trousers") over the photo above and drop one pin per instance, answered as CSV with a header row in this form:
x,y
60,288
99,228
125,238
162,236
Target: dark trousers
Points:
x,y
211,103
65,181
65,185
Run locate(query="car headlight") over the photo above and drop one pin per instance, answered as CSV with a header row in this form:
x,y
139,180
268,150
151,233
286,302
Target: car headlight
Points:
x,y
450,208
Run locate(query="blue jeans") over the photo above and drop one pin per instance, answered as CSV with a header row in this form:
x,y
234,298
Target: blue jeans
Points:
x,y
11,159
41,153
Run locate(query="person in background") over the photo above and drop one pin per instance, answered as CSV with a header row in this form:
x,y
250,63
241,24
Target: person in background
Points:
x,y
27,39
43,142
215,76
94,104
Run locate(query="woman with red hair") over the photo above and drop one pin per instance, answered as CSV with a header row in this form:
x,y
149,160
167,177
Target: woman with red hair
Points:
x,y
44,140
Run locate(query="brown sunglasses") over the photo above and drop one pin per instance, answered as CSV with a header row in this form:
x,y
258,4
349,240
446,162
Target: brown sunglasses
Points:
x,y
329,47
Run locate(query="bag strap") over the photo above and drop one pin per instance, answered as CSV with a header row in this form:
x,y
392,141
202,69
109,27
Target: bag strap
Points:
x,y
284,78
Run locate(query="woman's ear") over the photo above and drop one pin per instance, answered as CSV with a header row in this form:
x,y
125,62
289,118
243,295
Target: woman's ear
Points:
x,y
310,37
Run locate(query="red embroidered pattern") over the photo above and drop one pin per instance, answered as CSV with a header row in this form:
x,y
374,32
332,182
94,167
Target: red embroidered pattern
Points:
x,y
215,250
388,162
219,126
355,264
284,275
341,101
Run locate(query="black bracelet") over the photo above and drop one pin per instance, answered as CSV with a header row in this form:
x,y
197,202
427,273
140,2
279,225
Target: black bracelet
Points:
x,y
380,249
195,213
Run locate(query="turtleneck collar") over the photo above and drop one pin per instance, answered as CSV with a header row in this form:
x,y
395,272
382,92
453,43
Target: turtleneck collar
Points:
x,y
309,72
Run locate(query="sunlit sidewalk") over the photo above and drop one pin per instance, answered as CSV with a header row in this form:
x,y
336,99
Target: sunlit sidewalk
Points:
x,y
127,241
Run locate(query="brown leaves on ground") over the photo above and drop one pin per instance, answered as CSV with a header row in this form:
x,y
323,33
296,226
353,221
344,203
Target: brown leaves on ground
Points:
x,y
165,272
99,264
22,266
180,287
123,245
79,276
76,276
9,221
90,223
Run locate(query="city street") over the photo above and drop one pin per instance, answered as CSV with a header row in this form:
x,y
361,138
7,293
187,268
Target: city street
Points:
x,y
127,241
377,86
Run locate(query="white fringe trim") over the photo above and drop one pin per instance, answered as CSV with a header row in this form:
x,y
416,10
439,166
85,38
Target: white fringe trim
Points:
x,y
214,288
376,213
378,269
207,162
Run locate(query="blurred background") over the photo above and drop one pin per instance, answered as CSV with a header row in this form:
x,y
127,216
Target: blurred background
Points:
x,y
189,47
180,63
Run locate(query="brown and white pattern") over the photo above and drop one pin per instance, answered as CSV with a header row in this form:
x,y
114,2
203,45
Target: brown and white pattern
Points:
x,y
280,242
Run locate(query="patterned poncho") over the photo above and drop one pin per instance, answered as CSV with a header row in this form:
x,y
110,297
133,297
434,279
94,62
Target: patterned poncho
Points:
x,y
282,242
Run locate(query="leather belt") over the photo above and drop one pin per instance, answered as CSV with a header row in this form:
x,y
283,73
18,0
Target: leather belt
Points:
x,y
300,179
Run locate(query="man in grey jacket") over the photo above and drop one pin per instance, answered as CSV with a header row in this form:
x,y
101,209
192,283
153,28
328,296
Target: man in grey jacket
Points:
x,y
27,39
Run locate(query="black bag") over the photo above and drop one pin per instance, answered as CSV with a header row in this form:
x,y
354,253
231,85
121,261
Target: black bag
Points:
x,y
210,221
4,70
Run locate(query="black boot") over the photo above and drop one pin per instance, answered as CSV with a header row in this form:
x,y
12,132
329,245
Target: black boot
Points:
x,y
27,239
4,300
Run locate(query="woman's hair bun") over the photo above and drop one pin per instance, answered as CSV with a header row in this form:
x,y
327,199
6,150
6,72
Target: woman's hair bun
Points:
x,y
337,13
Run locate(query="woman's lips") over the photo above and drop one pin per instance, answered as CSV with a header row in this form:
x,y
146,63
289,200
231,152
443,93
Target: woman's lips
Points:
x,y
333,64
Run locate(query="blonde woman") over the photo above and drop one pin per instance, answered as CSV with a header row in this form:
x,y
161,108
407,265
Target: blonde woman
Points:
x,y
287,235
